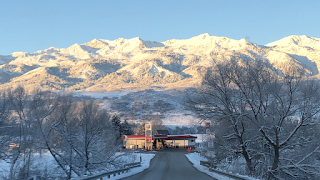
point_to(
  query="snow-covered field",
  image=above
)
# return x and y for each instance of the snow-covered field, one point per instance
(146, 158)
(195, 159)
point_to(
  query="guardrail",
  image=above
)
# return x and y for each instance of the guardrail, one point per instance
(132, 164)
(114, 173)
(212, 167)
(207, 164)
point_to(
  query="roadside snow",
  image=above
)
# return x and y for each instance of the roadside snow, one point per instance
(195, 159)
(146, 158)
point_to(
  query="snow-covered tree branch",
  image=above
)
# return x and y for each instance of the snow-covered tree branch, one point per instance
(246, 99)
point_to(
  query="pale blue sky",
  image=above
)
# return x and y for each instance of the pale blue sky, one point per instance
(29, 25)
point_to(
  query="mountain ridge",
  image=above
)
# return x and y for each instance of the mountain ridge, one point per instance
(126, 62)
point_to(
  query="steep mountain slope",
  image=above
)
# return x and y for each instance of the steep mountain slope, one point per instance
(304, 49)
(100, 63)
(7, 72)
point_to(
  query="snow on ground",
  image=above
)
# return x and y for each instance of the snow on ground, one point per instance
(146, 158)
(179, 119)
(4, 168)
(43, 162)
(195, 159)
(100, 95)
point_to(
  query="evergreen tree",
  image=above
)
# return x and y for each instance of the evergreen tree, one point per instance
(126, 128)
(116, 123)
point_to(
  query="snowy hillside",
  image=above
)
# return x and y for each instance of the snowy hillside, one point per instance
(148, 105)
(101, 65)
(297, 41)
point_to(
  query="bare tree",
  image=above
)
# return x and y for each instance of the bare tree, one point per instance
(140, 130)
(78, 135)
(18, 100)
(157, 124)
(55, 123)
(95, 135)
(4, 126)
(261, 114)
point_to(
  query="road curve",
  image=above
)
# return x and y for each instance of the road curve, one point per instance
(170, 165)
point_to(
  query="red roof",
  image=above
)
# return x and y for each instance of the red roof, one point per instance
(172, 137)
(160, 136)
(181, 137)
(133, 136)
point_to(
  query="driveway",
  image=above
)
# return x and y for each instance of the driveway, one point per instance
(170, 165)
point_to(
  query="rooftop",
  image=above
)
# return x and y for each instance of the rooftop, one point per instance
(166, 137)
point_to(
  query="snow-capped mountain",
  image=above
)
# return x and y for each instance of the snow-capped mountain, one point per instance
(101, 64)
(297, 41)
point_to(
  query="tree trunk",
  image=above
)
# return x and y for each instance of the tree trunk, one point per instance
(248, 160)
(275, 163)
(246, 157)
(12, 176)
(70, 164)
(276, 158)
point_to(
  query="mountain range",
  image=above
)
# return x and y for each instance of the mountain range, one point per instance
(102, 65)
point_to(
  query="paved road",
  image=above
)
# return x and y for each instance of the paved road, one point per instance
(170, 165)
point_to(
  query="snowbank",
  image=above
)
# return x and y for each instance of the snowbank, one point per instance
(195, 159)
(146, 158)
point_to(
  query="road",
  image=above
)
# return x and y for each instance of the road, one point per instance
(170, 165)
